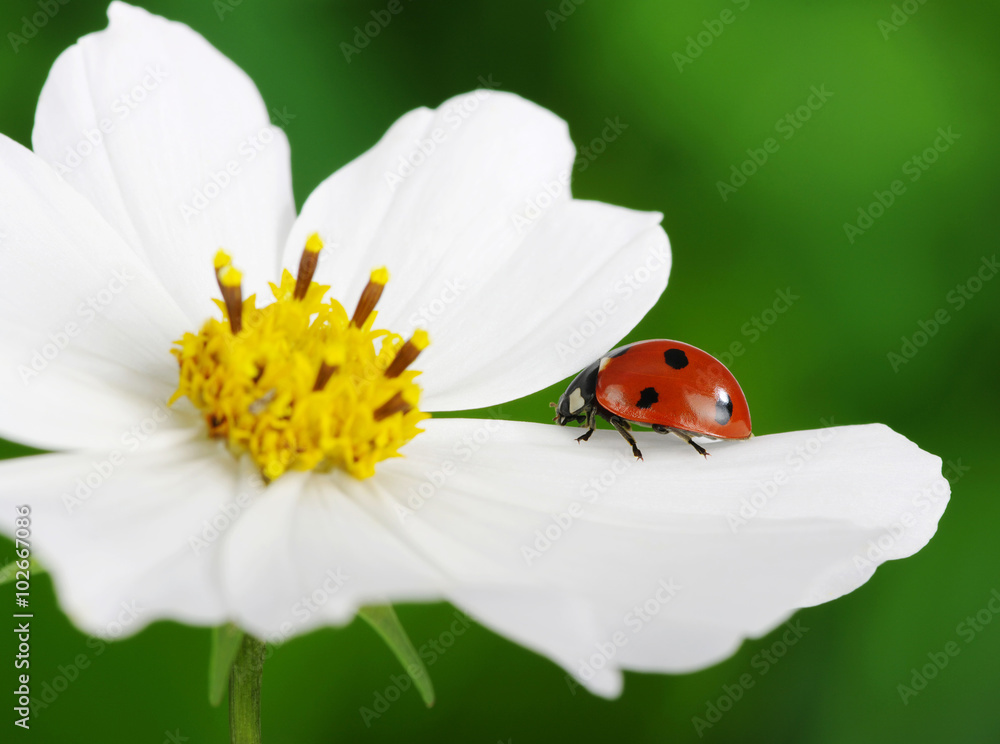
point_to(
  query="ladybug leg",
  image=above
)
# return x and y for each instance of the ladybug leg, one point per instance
(698, 448)
(591, 426)
(623, 428)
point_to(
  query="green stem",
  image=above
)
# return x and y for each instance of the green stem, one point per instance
(244, 692)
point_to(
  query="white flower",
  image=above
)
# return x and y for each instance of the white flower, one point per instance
(151, 151)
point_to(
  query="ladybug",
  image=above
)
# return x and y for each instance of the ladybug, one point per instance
(670, 386)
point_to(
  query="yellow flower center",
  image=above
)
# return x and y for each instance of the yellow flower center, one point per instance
(298, 384)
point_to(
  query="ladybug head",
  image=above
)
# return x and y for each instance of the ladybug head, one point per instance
(579, 399)
(562, 417)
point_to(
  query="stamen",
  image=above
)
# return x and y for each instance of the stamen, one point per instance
(370, 296)
(325, 373)
(307, 265)
(304, 387)
(221, 261)
(330, 364)
(395, 404)
(410, 351)
(231, 283)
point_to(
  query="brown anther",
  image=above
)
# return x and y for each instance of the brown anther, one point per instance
(395, 404)
(231, 285)
(370, 297)
(307, 266)
(233, 297)
(326, 371)
(410, 351)
(221, 263)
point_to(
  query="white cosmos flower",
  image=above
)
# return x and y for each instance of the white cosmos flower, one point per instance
(152, 150)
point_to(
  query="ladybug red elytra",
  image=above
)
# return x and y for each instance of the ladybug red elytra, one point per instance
(670, 386)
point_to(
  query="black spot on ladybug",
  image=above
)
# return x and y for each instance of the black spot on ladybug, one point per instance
(676, 358)
(647, 398)
(723, 408)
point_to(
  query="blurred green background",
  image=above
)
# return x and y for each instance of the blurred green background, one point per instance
(690, 119)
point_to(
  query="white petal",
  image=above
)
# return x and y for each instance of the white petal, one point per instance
(458, 517)
(138, 545)
(662, 535)
(514, 301)
(142, 118)
(582, 279)
(529, 616)
(314, 548)
(86, 328)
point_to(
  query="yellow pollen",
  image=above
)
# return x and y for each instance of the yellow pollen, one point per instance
(314, 244)
(297, 385)
(411, 349)
(229, 276)
(370, 296)
(222, 259)
(307, 265)
(420, 339)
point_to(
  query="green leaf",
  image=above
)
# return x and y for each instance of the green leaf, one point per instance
(385, 622)
(8, 572)
(226, 641)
